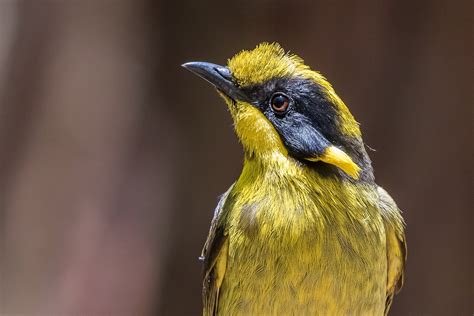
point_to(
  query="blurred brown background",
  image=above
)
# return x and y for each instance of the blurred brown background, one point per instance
(112, 156)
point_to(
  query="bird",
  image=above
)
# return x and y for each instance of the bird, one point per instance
(304, 230)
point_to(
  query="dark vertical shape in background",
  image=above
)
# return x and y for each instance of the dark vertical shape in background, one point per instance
(112, 156)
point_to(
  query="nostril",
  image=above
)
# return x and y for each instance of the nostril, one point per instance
(224, 72)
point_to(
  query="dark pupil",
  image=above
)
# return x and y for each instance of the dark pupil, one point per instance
(280, 102)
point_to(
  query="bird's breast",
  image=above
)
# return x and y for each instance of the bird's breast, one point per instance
(308, 247)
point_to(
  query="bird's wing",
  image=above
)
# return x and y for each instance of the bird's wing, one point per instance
(214, 257)
(396, 244)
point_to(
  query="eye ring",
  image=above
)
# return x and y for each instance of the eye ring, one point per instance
(280, 103)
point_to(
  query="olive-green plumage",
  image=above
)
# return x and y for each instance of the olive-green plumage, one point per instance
(304, 230)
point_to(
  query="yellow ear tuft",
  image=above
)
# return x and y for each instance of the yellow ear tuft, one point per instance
(340, 159)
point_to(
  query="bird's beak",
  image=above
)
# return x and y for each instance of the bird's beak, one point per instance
(219, 76)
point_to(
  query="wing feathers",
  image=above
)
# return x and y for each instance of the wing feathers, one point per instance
(214, 256)
(396, 245)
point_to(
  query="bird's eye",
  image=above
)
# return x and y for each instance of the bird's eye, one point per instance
(280, 103)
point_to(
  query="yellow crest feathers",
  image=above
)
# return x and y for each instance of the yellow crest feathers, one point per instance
(263, 63)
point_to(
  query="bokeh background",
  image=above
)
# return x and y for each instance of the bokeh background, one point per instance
(112, 156)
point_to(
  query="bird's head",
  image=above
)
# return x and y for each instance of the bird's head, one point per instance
(280, 106)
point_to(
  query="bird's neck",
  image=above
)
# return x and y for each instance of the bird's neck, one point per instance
(272, 163)
(288, 191)
(274, 171)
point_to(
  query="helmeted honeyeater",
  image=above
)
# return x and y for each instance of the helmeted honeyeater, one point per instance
(305, 230)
